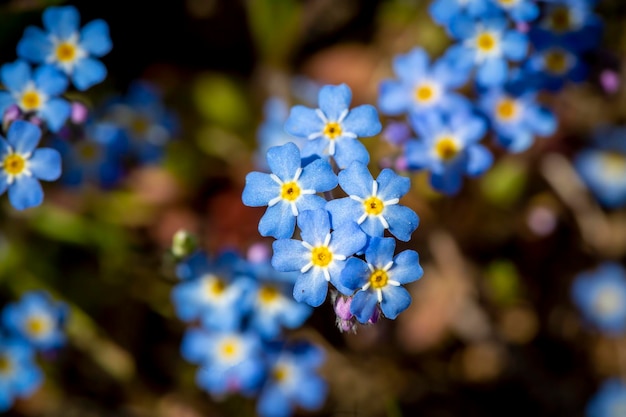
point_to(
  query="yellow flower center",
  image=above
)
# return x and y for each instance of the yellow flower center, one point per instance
(36, 326)
(268, 294)
(373, 205)
(486, 42)
(139, 125)
(321, 256)
(446, 148)
(290, 191)
(556, 62)
(5, 364)
(14, 164)
(66, 52)
(506, 109)
(560, 19)
(229, 348)
(614, 164)
(88, 151)
(507, 2)
(280, 373)
(378, 279)
(424, 93)
(607, 302)
(215, 286)
(31, 100)
(332, 130)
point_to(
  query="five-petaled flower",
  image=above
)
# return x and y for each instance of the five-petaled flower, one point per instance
(22, 165)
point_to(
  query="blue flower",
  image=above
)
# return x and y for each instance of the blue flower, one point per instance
(609, 401)
(378, 280)
(37, 319)
(288, 190)
(373, 204)
(35, 92)
(319, 256)
(516, 117)
(604, 172)
(292, 382)
(19, 375)
(555, 64)
(448, 147)
(419, 87)
(444, 11)
(72, 50)
(333, 129)
(229, 361)
(486, 44)
(518, 10)
(210, 292)
(22, 165)
(272, 132)
(601, 297)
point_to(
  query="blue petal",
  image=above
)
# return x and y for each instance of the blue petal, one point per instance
(23, 136)
(402, 221)
(6, 100)
(380, 251)
(15, 75)
(310, 202)
(196, 346)
(373, 227)
(348, 150)
(514, 45)
(311, 288)
(289, 255)
(412, 66)
(525, 12)
(303, 121)
(88, 71)
(542, 120)
(448, 181)
(314, 226)
(294, 316)
(447, 75)
(460, 57)
(260, 188)
(35, 46)
(284, 160)
(417, 154)
(480, 160)
(462, 27)
(470, 129)
(62, 21)
(56, 112)
(50, 81)
(278, 221)
(406, 267)
(395, 301)
(363, 305)
(393, 98)
(392, 185)
(318, 176)
(25, 192)
(343, 210)
(516, 141)
(3, 182)
(347, 239)
(45, 164)
(363, 121)
(273, 403)
(334, 100)
(492, 72)
(354, 275)
(95, 39)
(311, 392)
(356, 180)
(443, 10)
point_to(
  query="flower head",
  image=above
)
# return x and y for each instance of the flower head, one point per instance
(19, 375)
(22, 165)
(67, 47)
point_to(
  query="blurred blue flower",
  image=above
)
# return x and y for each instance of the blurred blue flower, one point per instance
(448, 147)
(518, 10)
(230, 362)
(554, 65)
(37, 319)
(333, 129)
(601, 297)
(288, 190)
(373, 204)
(272, 131)
(486, 44)
(378, 280)
(421, 88)
(516, 117)
(19, 375)
(319, 256)
(72, 50)
(293, 382)
(35, 92)
(444, 11)
(609, 401)
(23, 165)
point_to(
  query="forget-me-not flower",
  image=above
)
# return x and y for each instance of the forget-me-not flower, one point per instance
(19, 375)
(333, 128)
(288, 190)
(373, 203)
(448, 147)
(378, 280)
(22, 165)
(609, 401)
(67, 47)
(601, 297)
(35, 92)
(319, 256)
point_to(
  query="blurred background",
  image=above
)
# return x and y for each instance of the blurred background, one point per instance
(492, 329)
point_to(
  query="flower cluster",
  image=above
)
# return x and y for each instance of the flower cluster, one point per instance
(242, 307)
(335, 232)
(35, 323)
